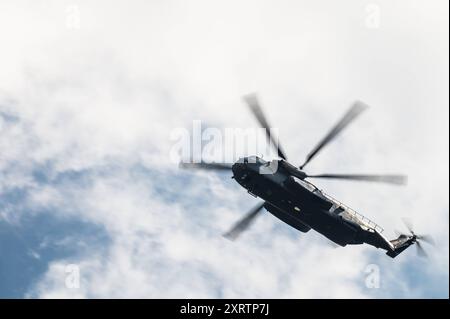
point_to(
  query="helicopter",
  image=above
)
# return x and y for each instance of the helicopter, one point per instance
(287, 193)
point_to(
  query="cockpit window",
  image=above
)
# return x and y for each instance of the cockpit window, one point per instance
(252, 159)
(308, 186)
(255, 160)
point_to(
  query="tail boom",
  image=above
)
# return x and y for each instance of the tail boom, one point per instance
(400, 244)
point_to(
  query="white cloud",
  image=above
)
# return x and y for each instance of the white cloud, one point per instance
(105, 97)
(159, 250)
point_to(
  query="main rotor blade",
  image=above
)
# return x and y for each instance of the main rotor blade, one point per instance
(244, 223)
(206, 166)
(253, 104)
(356, 109)
(390, 179)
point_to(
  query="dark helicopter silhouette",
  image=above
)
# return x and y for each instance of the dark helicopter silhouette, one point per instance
(288, 195)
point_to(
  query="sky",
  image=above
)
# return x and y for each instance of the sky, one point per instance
(92, 205)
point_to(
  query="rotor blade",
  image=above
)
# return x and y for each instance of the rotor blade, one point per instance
(244, 223)
(253, 104)
(332, 244)
(427, 239)
(390, 179)
(206, 166)
(356, 109)
(408, 223)
(398, 233)
(420, 251)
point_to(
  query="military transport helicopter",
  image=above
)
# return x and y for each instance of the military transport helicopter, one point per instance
(288, 195)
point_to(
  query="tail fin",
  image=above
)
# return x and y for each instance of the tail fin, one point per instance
(399, 245)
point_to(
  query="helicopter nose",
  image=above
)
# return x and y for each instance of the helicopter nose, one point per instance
(241, 173)
(237, 169)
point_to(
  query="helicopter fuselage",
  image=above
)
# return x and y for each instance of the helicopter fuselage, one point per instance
(303, 206)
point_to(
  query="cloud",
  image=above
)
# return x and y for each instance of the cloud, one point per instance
(86, 118)
(158, 252)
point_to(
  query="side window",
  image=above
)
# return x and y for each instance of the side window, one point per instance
(269, 167)
(336, 209)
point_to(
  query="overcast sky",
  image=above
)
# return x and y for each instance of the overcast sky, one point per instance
(91, 91)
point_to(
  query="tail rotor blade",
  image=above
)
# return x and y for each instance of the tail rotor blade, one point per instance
(244, 223)
(416, 238)
(427, 239)
(255, 108)
(409, 224)
(356, 109)
(420, 250)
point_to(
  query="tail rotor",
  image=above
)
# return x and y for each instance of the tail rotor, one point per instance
(417, 239)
